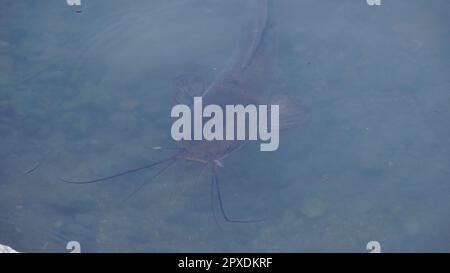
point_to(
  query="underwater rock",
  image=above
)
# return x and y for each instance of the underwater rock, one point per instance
(314, 207)
(128, 105)
(6, 249)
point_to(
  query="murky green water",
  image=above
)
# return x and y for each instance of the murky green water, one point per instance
(87, 94)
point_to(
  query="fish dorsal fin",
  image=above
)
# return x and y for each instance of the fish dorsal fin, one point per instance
(186, 87)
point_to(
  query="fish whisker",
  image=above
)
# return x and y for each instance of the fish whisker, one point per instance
(117, 174)
(142, 185)
(215, 185)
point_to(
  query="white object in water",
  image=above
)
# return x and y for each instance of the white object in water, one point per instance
(6, 249)
(218, 163)
(73, 2)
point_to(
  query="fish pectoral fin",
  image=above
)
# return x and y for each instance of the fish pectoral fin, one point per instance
(186, 87)
(292, 111)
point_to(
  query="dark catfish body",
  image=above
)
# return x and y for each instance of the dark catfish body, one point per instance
(244, 80)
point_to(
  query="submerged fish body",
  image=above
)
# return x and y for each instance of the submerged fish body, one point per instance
(246, 76)
(244, 80)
